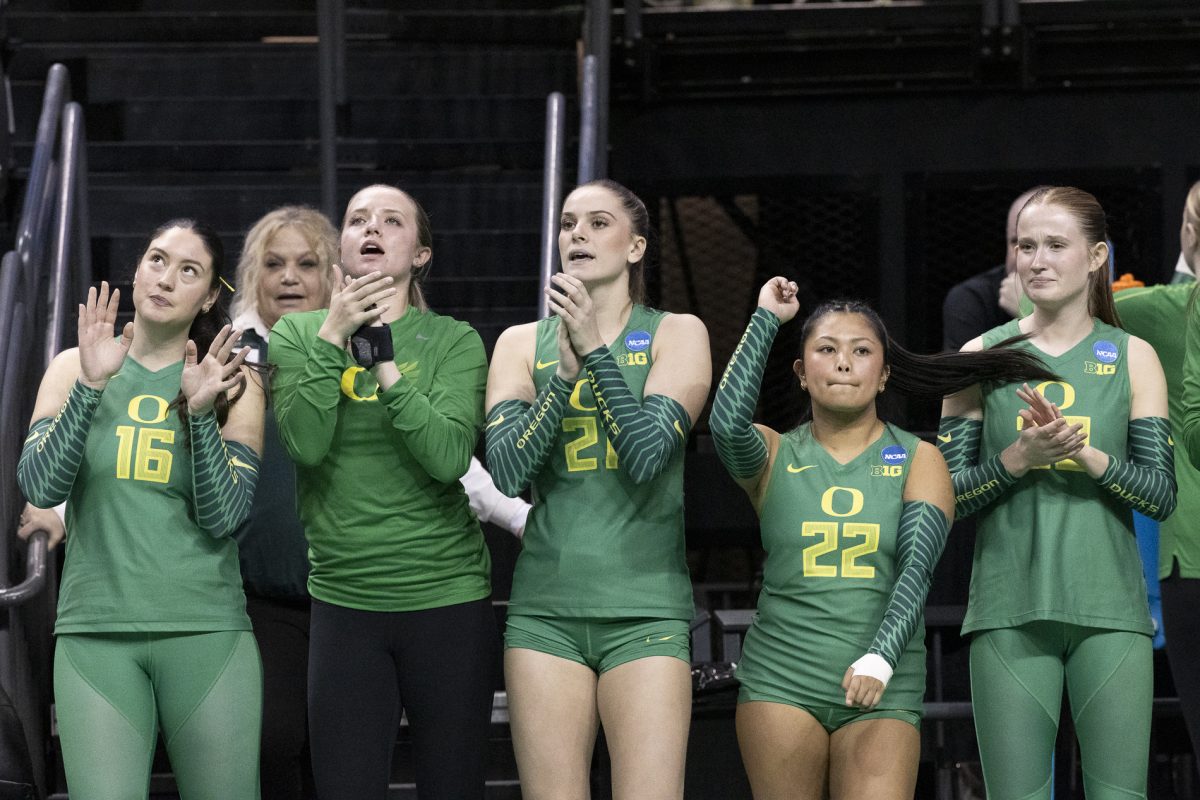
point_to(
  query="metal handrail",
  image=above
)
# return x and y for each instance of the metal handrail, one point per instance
(71, 218)
(35, 213)
(52, 236)
(552, 185)
(597, 39)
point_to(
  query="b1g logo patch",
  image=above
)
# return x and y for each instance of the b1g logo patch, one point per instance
(637, 341)
(893, 457)
(1105, 351)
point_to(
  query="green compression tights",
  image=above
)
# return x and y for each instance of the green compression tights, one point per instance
(1016, 687)
(114, 690)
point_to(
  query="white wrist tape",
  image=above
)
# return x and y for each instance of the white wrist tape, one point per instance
(873, 666)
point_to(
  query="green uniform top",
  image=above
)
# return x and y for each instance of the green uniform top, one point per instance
(136, 559)
(596, 543)
(1157, 314)
(388, 523)
(1058, 546)
(830, 534)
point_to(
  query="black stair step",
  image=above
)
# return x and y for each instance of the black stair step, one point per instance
(156, 26)
(466, 25)
(373, 154)
(221, 119)
(103, 73)
(372, 70)
(430, 25)
(276, 5)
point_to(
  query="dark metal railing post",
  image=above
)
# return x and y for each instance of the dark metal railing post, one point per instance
(589, 123)
(552, 185)
(331, 94)
(68, 203)
(633, 22)
(597, 38)
(34, 208)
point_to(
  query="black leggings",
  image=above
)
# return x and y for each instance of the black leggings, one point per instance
(1180, 599)
(281, 630)
(363, 665)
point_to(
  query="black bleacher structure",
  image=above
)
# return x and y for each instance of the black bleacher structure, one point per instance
(866, 149)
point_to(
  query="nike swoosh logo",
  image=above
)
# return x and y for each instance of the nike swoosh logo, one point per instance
(945, 439)
(679, 430)
(32, 435)
(794, 469)
(663, 639)
(422, 338)
(543, 364)
(1170, 440)
(237, 462)
(495, 422)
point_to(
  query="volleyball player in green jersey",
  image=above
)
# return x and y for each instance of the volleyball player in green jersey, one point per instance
(399, 576)
(592, 408)
(158, 468)
(1158, 314)
(1056, 586)
(854, 515)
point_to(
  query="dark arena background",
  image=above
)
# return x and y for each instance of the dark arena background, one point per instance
(863, 149)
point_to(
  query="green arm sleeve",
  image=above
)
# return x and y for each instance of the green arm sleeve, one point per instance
(440, 428)
(645, 435)
(975, 485)
(519, 436)
(1189, 428)
(305, 389)
(224, 475)
(53, 449)
(1146, 482)
(922, 535)
(741, 446)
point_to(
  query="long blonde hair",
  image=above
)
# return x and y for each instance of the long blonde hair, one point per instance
(317, 231)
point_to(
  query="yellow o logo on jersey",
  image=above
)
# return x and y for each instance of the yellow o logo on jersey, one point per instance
(856, 501)
(575, 401)
(348, 384)
(1068, 393)
(135, 408)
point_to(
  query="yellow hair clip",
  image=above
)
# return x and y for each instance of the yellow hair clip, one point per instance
(225, 283)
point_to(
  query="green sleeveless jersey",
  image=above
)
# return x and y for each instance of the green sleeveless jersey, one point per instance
(1157, 314)
(830, 534)
(136, 559)
(1057, 546)
(596, 543)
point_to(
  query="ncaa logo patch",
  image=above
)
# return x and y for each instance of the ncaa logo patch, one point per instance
(894, 454)
(637, 341)
(1105, 351)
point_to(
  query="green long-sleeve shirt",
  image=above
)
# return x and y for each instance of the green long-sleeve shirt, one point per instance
(388, 523)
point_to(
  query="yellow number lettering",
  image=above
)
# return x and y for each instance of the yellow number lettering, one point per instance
(137, 454)
(125, 435)
(831, 533)
(153, 463)
(869, 533)
(828, 531)
(587, 438)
